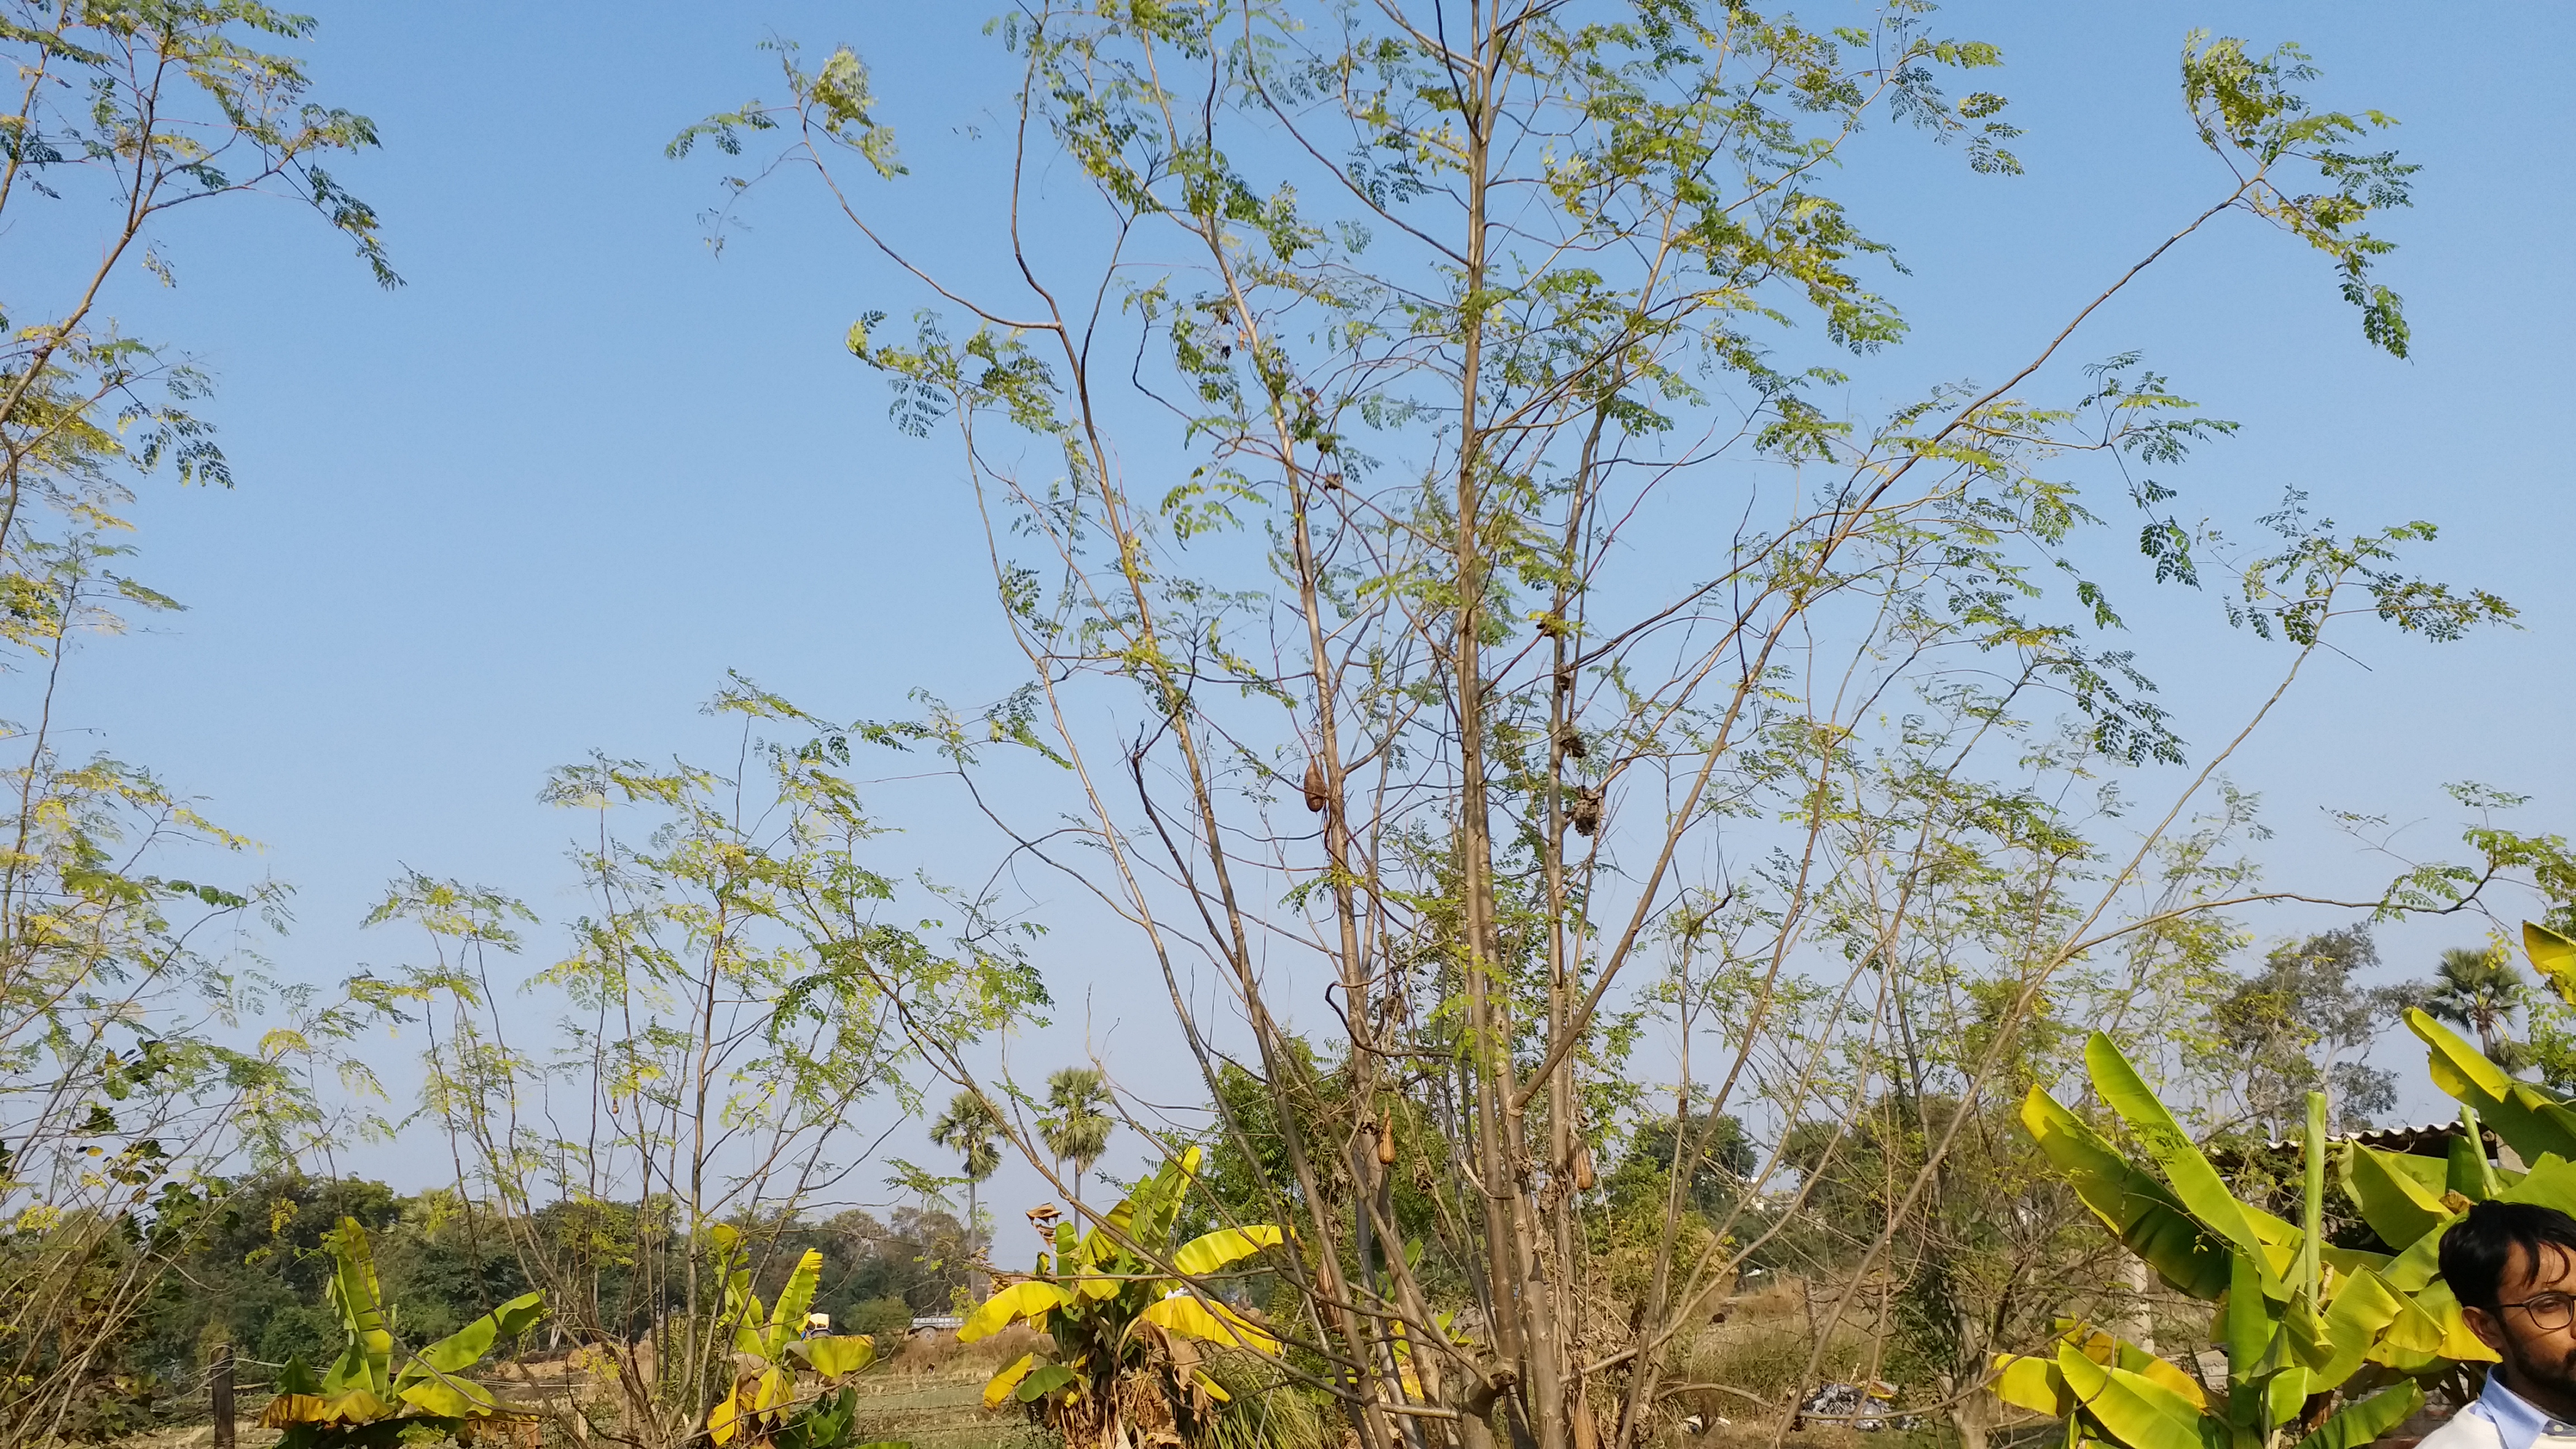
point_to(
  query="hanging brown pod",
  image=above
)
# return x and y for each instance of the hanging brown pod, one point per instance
(1587, 811)
(1386, 1140)
(1583, 1177)
(1315, 786)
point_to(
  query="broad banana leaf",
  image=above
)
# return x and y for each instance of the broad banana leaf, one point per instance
(2443, 1308)
(1188, 1317)
(769, 1391)
(787, 1319)
(2255, 1349)
(2363, 1308)
(2287, 1394)
(836, 1355)
(2030, 1382)
(2138, 1412)
(429, 1378)
(2413, 1335)
(1031, 1300)
(2112, 1351)
(1043, 1380)
(2393, 1197)
(2353, 1260)
(2196, 1184)
(1215, 1250)
(2528, 1121)
(999, 1386)
(466, 1346)
(2553, 956)
(2140, 1211)
(2357, 1424)
(357, 1406)
(1098, 1288)
(2551, 1182)
(448, 1397)
(366, 1363)
(2416, 1266)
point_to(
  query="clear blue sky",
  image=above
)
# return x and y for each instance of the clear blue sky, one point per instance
(542, 498)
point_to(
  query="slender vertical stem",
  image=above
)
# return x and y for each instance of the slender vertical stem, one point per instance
(2312, 1221)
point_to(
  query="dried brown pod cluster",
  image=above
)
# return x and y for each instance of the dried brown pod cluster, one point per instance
(1315, 786)
(1587, 810)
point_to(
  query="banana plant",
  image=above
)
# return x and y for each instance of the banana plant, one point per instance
(1124, 1313)
(2325, 1346)
(375, 1394)
(764, 1407)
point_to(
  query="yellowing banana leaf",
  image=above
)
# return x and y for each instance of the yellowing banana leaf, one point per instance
(2168, 1373)
(447, 1396)
(999, 1387)
(2364, 1306)
(2112, 1351)
(2030, 1382)
(2553, 956)
(2412, 1334)
(836, 1355)
(2138, 1412)
(1211, 1387)
(287, 1410)
(2140, 1211)
(2393, 1196)
(771, 1390)
(1031, 1300)
(2357, 1424)
(1215, 1250)
(2529, 1122)
(2196, 1184)
(1214, 1322)
(2438, 1303)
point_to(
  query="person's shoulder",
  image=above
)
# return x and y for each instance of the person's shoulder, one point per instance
(2464, 1430)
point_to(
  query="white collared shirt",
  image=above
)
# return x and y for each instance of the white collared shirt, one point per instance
(2501, 1419)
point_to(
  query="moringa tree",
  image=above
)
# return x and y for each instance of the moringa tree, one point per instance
(128, 1086)
(1452, 612)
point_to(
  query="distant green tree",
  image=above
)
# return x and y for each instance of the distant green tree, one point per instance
(2298, 1024)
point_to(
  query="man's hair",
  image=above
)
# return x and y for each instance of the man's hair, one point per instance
(2479, 1247)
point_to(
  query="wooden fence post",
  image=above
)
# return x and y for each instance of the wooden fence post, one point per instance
(219, 1394)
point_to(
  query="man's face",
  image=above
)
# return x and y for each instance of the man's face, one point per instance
(2533, 1327)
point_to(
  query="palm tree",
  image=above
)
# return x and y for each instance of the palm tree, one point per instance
(2480, 990)
(1075, 1128)
(968, 1128)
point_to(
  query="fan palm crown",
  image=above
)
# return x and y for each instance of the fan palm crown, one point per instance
(1077, 1124)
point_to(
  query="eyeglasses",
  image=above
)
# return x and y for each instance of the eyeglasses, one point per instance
(2549, 1311)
